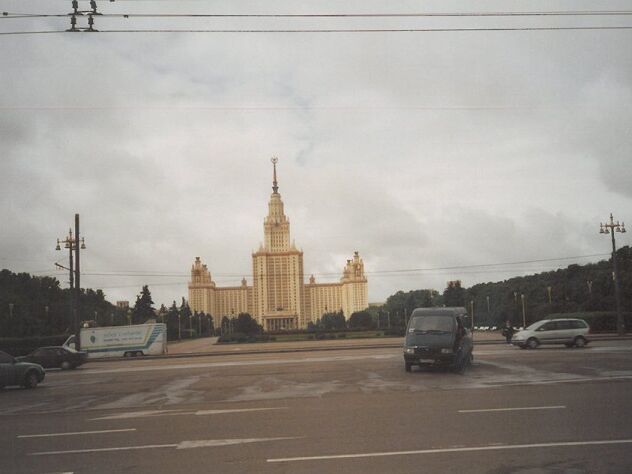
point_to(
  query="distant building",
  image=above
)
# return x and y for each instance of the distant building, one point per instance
(279, 298)
(122, 304)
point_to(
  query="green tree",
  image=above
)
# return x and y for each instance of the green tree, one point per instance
(333, 321)
(245, 324)
(186, 317)
(172, 322)
(225, 325)
(454, 294)
(143, 309)
(361, 320)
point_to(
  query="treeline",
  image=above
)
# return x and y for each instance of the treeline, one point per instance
(575, 289)
(38, 306)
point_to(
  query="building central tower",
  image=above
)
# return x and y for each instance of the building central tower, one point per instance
(277, 269)
(279, 298)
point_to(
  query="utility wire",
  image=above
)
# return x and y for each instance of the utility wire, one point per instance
(333, 30)
(340, 15)
(375, 272)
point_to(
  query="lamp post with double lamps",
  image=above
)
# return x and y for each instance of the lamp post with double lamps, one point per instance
(610, 228)
(74, 244)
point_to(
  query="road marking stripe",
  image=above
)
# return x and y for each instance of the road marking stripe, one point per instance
(154, 413)
(233, 410)
(455, 450)
(483, 410)
(226, 442)
(208, 443)
(101, 450)
(137, 414)
(44, 435)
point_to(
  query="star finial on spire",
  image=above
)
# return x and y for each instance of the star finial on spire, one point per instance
(274, 161)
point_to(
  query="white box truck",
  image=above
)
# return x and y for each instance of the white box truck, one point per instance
(122, 341)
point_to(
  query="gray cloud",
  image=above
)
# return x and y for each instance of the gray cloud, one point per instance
(418, 150)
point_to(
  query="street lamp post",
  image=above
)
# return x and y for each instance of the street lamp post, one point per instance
(515, 311)
(589, 283)
(548, 289)
(524, 313)
(74, 244)
(179, 327)
(472, 311)
(611, 228)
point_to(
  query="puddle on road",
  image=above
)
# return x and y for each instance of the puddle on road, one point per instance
(172, 393)
(275, 389)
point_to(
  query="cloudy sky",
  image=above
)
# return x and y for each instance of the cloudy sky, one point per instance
(427, 151)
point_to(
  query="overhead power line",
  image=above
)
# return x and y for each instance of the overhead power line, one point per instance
(375, 272)
(341, 30)
(554, 13)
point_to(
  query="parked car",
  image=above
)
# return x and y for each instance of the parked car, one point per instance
(14, 372)
(570, 332)
(55, 357)
(438, 336)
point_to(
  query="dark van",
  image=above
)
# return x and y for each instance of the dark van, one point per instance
(438, 336)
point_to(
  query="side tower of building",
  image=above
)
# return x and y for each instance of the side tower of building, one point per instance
(201, 289)
(277, 270)
(355, 292)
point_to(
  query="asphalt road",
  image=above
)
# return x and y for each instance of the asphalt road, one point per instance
(552, 410)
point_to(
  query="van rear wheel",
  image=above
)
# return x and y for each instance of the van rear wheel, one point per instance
(579, 341)
(408, 366)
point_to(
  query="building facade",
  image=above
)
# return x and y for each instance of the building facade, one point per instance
(279, 298)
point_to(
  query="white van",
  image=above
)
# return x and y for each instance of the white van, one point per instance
(570, 332)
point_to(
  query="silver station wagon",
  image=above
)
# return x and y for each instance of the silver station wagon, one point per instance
(570, 332)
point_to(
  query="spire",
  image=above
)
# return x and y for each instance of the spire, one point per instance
(275, 187)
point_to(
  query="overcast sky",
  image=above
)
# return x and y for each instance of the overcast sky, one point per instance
(421, 150)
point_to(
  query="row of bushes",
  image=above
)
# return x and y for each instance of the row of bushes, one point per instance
(241, 338)
(18, 346)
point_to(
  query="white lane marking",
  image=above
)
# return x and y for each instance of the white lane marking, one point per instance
(484, 410)
(137, 414)
(208, 443)
(154, 413)
(227, 442)
(456, 450)
(102, 450)
(45, 435)
(234, 410)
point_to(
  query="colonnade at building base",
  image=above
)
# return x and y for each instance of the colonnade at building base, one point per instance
(280, 324)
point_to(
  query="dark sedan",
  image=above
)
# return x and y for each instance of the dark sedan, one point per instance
(56, 356)
(13, 372)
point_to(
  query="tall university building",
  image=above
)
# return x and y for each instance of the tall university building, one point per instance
(279, 297)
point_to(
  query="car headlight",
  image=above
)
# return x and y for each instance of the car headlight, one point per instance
(409, 350)
(446, 350)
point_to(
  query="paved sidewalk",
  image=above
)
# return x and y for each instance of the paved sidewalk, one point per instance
(208, 346)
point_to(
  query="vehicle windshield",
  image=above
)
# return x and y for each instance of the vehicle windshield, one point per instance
(533, 326)
(432, 323)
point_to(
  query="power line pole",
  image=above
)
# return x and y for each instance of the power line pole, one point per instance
(69, 243)
(77, 286)
(611, 228)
